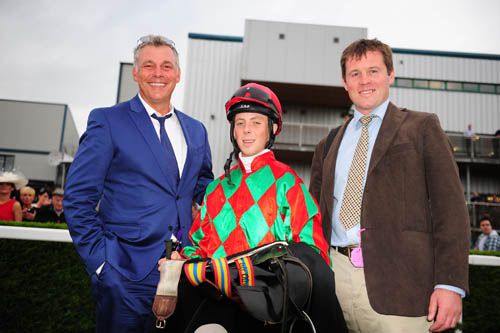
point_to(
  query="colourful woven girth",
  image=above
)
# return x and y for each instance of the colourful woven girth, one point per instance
(196, 273)
(222, 276)
(245, 271)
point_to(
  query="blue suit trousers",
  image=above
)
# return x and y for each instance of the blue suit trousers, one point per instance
(123, 306)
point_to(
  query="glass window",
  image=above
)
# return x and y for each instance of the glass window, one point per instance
(437, 85)
(421, 83)
(471, 87)
(454, 86)
(6, 162)
(407, 83)
(447, 85)
(487, 88)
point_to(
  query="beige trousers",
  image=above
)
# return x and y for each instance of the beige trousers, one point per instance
(351, 291)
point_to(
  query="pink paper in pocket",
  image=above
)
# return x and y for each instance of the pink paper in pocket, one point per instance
(357, 254)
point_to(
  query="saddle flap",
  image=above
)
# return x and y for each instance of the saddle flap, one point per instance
(166, 292)
(265, 300)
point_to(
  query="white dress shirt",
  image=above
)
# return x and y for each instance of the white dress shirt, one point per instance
(174, 133)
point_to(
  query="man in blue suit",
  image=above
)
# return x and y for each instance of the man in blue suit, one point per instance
(140, 167)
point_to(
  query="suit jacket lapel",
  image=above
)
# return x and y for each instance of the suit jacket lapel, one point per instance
(329, 169)
(186, 131)
(393, 119)
(145, 127)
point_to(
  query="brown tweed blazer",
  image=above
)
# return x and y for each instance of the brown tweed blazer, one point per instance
(417, 225)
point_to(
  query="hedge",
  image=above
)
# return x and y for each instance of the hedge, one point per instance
(482, 307)
(44, 288)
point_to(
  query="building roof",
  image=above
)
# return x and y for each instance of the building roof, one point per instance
(468, 55)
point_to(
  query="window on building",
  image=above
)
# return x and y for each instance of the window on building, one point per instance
(487, 88)
(6, 162)
(447, 85)
(437, 85)
(407, 83)
(471, 87)
(421, 83)
(457, 86)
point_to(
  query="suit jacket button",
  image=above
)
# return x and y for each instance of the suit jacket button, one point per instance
(177, 198)
(170, 228)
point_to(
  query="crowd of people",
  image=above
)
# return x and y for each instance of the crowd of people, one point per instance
(19, 202)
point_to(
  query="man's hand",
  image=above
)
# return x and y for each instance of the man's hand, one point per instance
(195, 209)
(27, 215)
(175, 256)
(445, 309)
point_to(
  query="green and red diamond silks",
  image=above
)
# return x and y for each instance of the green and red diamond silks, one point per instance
(268, 204)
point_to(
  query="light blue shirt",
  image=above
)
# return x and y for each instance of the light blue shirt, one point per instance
(341, 236)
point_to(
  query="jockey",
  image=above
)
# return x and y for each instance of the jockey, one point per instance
(258, 201)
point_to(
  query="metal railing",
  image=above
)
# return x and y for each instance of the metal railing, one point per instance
(479, 209)
(304, 136)
(475, 147)
(58, 235)
(299, 136)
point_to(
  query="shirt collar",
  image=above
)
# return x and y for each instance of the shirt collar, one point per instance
(378, 112)
(150, 110)
(248, 160)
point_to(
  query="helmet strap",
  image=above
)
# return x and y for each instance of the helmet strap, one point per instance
(227, 165)
(236, 150)
(272, 136)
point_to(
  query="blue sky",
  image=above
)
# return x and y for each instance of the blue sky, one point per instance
(68, 51)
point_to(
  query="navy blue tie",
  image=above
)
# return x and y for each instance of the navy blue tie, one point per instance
(165, 142)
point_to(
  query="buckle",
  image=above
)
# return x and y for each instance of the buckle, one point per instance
(160, 323)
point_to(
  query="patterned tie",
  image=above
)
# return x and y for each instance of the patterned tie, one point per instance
(165, 142)
(350, 211)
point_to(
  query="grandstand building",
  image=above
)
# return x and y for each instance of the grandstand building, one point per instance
(301, 63)
(38, 139)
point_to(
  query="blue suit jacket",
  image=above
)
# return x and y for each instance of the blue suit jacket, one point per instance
(121, 201)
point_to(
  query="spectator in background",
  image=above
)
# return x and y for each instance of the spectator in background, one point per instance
(496, 144)
(10, 209)
(475, 197)
(347, 115)
(54, 212)
(489, 240)
(44, 198)
(27, 195)
(469, 133)
(469, 138)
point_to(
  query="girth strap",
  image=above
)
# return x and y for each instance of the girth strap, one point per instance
(222, 276)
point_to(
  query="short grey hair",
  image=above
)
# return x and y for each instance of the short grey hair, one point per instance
(156, 41)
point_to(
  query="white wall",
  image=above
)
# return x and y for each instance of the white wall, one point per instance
(212, 76)
(446, 68)
(306, 55)
(454, 109)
